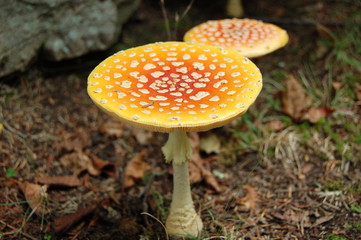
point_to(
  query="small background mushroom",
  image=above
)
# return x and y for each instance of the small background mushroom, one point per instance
(251, 38)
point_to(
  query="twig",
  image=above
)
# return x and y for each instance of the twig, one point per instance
(179, 18)
(189, 6)
(146, 193)
(215, 237)
(21, 137)
(330, 205)
(77, 234)
(11, 129)
(150, 215)
(166, 20)
(17, 231)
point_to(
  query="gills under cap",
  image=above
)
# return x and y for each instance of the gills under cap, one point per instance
(175, 85)
(251, 38)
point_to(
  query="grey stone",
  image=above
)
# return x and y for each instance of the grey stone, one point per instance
(59, 29)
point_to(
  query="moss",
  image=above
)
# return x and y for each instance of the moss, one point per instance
(335, 237)
(338, 185)
(334, 186)
(355, 226)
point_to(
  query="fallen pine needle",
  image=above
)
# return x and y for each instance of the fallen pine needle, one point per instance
(17, 231)
(215, 237)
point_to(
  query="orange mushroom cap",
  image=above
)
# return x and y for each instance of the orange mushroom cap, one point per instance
(251, 38)
(175, 85)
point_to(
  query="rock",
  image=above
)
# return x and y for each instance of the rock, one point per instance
(59, 29)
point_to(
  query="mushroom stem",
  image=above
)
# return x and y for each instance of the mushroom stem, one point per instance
(182, 218)
(178, 148)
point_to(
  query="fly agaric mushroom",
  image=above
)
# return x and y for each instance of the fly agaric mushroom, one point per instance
(176, 87)
(251, 38)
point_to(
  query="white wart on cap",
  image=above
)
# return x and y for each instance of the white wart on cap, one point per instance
(175, 85)
(251, 38)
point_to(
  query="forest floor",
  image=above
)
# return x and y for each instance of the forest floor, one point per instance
(290, 168)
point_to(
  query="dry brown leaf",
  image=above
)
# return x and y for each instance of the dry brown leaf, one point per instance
(63, 223)
(62, 181)
(35, 196)
(79, 162)
(210, 144)
(194, 139)
(135, 169)
(274, 125)
(337, 85)
(195, 168)
(323, 219)
(211, 180)
(294, 99)
(250, 200)
(112, 128)
(294, 218)
(143, 136)
(307, 168)
(77, 140)
(315, 114)
(197, 171)
(105, 167)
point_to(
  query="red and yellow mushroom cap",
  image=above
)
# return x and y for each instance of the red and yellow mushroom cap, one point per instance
(175, 85)
(251, 38)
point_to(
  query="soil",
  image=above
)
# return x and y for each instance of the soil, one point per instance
(279, 188)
